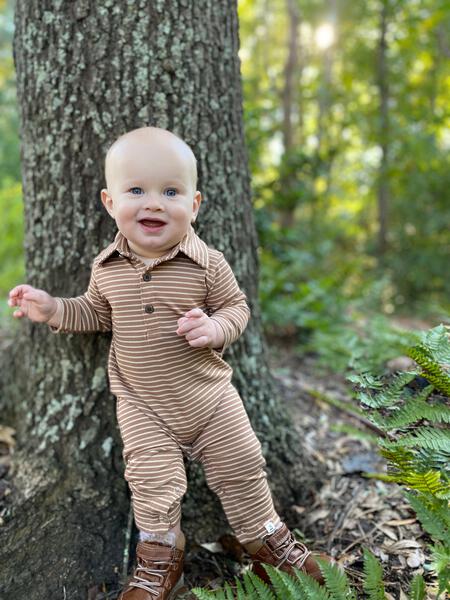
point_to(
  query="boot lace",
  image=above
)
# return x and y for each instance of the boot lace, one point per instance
(284, 550)
(152, 587)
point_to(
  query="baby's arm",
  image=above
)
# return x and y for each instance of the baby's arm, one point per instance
(89, 312)
(228, 303)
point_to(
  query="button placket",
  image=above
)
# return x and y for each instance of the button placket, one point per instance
(151, 326)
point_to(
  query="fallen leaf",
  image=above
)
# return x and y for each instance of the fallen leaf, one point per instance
(401, 546)
(398, 522)
(213, 547)
(415, 559)
(315, 515)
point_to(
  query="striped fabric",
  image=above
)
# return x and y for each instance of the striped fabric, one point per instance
(141, 305)
(230, 454)
(173, 398)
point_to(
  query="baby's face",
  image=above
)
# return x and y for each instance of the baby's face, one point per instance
(151, 190)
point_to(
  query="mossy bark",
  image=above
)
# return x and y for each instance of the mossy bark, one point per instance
(87, 72)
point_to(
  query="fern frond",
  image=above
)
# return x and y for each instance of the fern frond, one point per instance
(373, 583)
(263, 592)
(423, 437)
(390, 394)
(229, 595)
(207, 595)
(434, 516)
(429, 482)
(413, 411)
(437, 339)
(431, 368)
(282, 582)
(336, 581)
(402, 458)
(366, 380)
(311, 589)
(430, 459)
(417, 591)
(441, 565)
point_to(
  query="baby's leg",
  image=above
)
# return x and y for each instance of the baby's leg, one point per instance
(174, 537)
(234, 467)
(155, 474)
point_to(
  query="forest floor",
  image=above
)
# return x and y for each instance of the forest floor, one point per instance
(350, 511)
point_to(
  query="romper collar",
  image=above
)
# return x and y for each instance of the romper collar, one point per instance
(191, 245)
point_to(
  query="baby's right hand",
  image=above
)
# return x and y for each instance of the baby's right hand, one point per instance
(35, 304)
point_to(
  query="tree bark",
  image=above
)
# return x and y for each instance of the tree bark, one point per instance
(87, 72)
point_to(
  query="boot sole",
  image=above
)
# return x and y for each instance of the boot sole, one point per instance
(179, 584)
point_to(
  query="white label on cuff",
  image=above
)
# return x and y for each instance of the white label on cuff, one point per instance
(270, 527)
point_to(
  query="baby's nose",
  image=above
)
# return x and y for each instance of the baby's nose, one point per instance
(153, 201)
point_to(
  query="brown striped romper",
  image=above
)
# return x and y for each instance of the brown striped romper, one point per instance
(173, 398)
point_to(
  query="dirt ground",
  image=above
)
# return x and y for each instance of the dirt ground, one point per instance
(350, 511)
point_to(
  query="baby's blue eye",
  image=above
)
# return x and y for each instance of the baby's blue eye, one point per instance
(171, 192)
(136, 190)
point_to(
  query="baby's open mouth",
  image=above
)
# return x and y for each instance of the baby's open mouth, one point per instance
(152, 223)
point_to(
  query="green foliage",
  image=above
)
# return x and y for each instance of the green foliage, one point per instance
(303, 586)
(417, 588)
(373, 583)
(411, 410)
(11, 236)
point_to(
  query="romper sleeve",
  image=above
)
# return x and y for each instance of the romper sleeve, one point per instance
(86, 313)
(227, 303)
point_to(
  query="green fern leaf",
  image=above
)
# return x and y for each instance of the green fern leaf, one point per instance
(402, 458)
(437, 339)
(336, 581)
(423, 437)
(431, 459)
(433, 515)
(311, 588)
(282, 583)
(441, 565)
(417, 588)
(206, 595)
(431, 369)
(262, 589)
(390, 394)
(425, 482)
(366, 380)
(413, 411)
(242, 594)
(373, 583)
(229, 595)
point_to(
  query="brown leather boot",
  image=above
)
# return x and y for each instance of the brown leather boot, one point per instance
(282, 550)
(158, 575)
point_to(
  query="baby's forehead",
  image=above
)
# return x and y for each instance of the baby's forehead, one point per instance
(147, 145)
(149, 139)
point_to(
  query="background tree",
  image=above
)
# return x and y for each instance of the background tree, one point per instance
(85, 74)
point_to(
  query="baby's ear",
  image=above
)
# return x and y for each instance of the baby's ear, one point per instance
(107, 201)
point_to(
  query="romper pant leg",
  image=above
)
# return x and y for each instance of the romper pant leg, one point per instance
(234, 468)
(154, 469)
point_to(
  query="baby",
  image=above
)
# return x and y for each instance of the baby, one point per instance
(173, 306)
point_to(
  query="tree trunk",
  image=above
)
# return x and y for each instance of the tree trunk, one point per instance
(87, 72)
(288, 98)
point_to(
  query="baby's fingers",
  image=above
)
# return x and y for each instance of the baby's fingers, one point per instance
(19, 290)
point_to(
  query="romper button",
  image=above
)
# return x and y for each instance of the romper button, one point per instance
(146, 276)
(149, 308)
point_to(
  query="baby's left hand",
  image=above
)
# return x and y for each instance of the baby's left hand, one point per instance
(200, 330)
